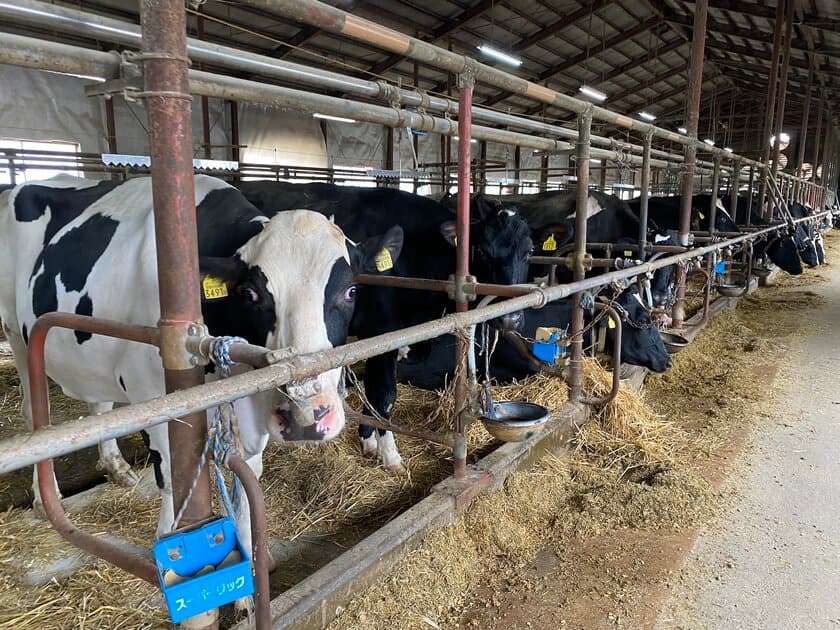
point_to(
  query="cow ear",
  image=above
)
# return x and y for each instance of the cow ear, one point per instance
(220, 276)
(377, 254)
(481, 207)
(548, 238)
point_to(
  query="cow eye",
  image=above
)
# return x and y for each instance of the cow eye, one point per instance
(350, 294)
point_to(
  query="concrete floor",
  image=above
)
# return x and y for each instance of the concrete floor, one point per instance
(773, 560)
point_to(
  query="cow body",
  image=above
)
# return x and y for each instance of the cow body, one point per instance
(79, 246)
(500, 241)
(641, 345)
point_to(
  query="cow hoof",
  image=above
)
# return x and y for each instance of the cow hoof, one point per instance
(124, 478)
(397, 469)
(370, 447)
(243, 606)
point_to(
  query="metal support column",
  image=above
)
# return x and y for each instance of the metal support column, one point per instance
(164, 48)
(578, 271)
(771, 101)
(713, 201)
(750, 191)
(466, 83)
(205, 101)
(780, 109)
(695, 81)
(643, 205)
(734, 184)
(111, 127)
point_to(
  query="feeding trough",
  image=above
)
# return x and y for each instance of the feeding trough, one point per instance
(673, 342)
(511, 421)
(735, 287)
(762, 272)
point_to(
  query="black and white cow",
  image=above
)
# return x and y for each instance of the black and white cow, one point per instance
(551, 216)
(499, 240)
(641, 345)
(664, 212)
(88, 247)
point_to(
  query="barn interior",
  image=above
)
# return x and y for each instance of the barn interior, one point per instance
(364, 93)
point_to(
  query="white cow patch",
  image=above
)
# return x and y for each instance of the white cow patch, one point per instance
(659, 238)
(592, 208)
(507, 211)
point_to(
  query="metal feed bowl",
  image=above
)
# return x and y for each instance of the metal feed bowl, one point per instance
(762, 272)
(673, 342)
(736, 288)
(515, 421)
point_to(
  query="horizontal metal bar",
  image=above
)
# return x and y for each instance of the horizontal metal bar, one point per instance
(55, 441)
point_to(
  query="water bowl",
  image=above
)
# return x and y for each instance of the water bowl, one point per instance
(673, 342)
(515, 421)
(762, 272)
(735, 287)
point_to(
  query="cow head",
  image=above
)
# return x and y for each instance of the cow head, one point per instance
(641, 343)
(662, 284)
(784, 253)
(500, 243)
(291, 286)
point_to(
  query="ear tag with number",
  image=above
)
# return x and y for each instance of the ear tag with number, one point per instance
(214, 288)
(702, 216)
(383, 260)
(549, 244)
(610, 322)
(627, 252)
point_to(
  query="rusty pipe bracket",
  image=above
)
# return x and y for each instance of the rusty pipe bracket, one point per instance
(462, 288)
(175, 343)
(585, 260)
(466, 78)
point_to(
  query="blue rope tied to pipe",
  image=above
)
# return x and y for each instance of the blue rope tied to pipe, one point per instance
(222, 437)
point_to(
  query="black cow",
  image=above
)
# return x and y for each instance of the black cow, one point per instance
(664, 212)
(641, 345)
(500, 243)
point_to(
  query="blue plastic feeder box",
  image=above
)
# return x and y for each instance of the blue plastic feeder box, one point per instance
(202, 568)
(720, 268)
(548, 347)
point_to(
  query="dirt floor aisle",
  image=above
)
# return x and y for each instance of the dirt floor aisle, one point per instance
(773, 559)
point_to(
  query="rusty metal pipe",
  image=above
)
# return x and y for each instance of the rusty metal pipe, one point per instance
(25, 450)
(575, 378)
(695, 84)
(616, 355)
(39, 403)
(783, 85)
(259, 539)
(771, 103)
(444, 439)
(643, 203)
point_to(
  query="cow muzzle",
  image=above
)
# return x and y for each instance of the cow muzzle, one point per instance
(511, 322)
(308, 415)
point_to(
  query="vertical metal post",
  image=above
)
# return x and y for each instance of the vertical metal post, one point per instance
(780, 109)
(234, 134)
(543, 173)
(205, 101)
(466, 83)
(517, 165)
(578, 272)
(734, 184)
(415, 139)
(482, 169)
(771, 100)
(695, 81)
(803, 130)
(602, 176)
(111, 128)
(713, 201)
(817, 138)
(750, 191)
(164, 46)
(643, 204)
(389, 157)
(826, 166)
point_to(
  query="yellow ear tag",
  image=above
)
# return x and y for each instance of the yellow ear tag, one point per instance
(214, 288)
(549, 244)
(627, 252)
(702, 216)
(610, 322)
(383, 260)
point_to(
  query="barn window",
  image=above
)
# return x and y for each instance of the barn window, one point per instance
(34, 160)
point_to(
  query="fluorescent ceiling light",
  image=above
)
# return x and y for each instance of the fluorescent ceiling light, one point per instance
(593, 93)
(623, 186)
(683, 130)
(783, 139)
(336, 118)
(709, 141)
(499, 55)
(473, 140)
(647, 116)
(727, 149)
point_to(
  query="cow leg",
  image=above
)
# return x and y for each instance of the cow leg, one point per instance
(110, 458)
(158, 443)
(243, 524)
(22, 367)
(381, 392)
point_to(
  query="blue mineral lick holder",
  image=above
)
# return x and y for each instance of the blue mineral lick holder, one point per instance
(549, 350)
(201, 548)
